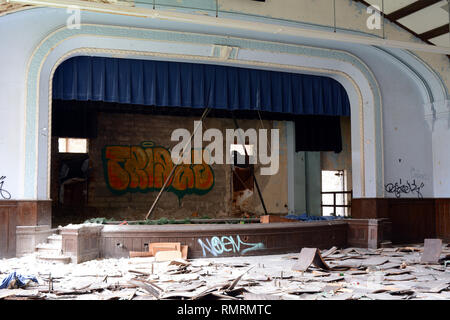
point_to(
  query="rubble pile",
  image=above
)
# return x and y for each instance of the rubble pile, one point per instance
(412, 272)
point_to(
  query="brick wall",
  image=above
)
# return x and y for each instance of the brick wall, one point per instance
(125, 130)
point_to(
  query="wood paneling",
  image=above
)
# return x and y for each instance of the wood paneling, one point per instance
(20, 213)
(442, 208)
(413, 220)
(272, 238)
(370, 208)
(8, 229)
(34, 213)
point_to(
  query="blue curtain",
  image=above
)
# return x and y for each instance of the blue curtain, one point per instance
(175, 84)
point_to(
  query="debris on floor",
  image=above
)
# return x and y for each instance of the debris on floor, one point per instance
(15, 281)
(431, 251)
(402, 272)
(310, 256)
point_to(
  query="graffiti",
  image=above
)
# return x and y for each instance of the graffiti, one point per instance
(216, 246)
(398, 188)
(145, 168)
(3, 192)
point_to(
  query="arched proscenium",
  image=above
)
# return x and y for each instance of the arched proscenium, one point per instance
(112, 41)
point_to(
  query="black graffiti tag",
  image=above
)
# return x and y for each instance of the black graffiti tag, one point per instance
(398, 188)
(4, 193)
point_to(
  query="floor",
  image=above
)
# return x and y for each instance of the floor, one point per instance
(383, 274)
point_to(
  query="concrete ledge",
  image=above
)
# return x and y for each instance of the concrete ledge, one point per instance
(28, 237)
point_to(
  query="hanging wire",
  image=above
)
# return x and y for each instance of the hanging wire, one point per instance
(334, 10)
(382, 17)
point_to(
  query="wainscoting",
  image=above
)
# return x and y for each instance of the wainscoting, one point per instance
(20, 213)
(442, 209)
(413, 220)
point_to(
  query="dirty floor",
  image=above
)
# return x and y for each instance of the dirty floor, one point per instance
(382, 274)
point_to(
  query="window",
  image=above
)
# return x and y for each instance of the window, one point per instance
(335, 198)
(71, 145)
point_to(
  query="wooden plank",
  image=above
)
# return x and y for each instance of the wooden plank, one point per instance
(168, 255)
(274, 219)
(164, 246)
(140, 254)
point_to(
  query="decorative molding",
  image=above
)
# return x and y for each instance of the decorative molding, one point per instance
(437, 111)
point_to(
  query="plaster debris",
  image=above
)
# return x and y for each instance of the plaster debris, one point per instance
(353, 274)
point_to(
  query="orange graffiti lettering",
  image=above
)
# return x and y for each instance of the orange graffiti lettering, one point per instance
(145, 168)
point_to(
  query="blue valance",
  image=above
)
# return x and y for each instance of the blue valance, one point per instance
(176, 84)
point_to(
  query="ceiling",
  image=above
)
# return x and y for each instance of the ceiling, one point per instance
(426, 19)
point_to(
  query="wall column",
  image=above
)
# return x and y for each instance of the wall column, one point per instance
(296, 174)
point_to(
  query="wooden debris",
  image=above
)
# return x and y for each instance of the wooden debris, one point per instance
(167, 255)
(329, 252)
(274, 219)
(150, 289)
(153, 248)
(140, 272)
(401, 277)
(395, 272)
(235, 281)
(377, 261)
(179, 262)
(184, 252)
(409, 249)
(140, 254)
